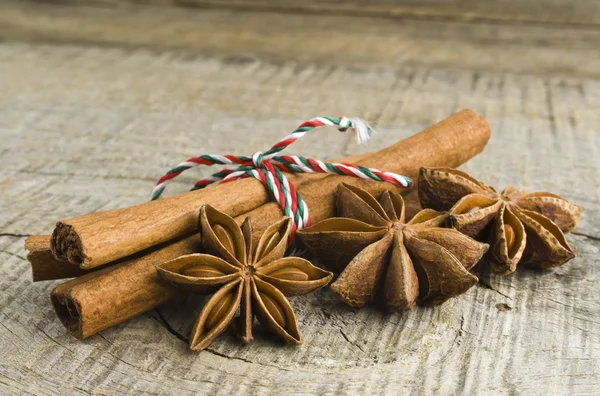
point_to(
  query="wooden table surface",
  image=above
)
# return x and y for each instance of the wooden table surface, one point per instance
(98, 99)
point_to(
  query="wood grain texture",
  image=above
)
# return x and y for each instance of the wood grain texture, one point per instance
(576, 12)
(329, 39)
(86, 128)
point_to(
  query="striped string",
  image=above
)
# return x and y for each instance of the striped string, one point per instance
(268, 167)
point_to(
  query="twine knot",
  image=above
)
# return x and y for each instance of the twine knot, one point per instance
(268, 167)
(257, 159)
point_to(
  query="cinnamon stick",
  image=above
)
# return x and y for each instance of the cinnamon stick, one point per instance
(112, 295)
(96, 239)
(109, 296)
(99, 238)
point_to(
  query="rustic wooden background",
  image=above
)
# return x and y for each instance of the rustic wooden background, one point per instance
(97, 99)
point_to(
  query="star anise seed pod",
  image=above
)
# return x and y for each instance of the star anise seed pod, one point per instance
(521, 226)
(388, 260)
(255, 280)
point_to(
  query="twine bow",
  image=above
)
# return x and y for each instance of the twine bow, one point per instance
(268, 167)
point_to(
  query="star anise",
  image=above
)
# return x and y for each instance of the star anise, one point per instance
(522, 227)
(388, 260)
(254, 280)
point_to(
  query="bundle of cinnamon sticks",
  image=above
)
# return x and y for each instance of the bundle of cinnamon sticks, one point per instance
(113, 254)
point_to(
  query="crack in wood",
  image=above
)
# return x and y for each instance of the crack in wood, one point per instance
(220, 354)
(181, 337)
(168, 327)
(115, 356)
(488, 285)
(594, 238)
(103, 177)
(461, 329)
(350, 341)
(14, 235)
(460, 332)
(52, 338)
(559, 302)
(13, 254)
(83, 390)
(214, 352)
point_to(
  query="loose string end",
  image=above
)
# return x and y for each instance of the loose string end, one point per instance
(362, 129)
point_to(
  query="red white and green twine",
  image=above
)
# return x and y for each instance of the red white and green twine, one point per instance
(268, 167)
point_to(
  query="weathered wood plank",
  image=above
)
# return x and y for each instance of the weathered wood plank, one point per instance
(559, 11)
(85, 129)
(326, 40)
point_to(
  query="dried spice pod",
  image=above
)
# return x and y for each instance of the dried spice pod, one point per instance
(398, 263)
(254, 280)
(521, 227)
